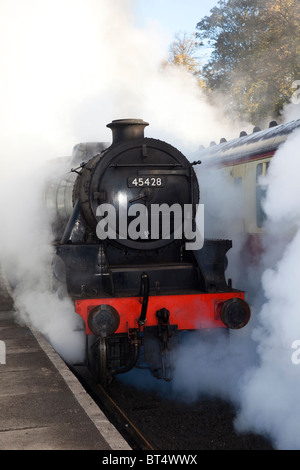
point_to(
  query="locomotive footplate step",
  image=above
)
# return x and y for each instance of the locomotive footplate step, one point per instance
(42, 404)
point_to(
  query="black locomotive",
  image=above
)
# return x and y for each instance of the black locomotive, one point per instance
(128, 253)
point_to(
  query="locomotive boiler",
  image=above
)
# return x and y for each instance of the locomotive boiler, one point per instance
(129, 255)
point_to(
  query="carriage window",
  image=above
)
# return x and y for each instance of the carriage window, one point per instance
(261, 170)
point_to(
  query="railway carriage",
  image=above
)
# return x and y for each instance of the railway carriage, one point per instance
(246, 160)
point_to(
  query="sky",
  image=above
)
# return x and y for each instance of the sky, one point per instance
(174, 16)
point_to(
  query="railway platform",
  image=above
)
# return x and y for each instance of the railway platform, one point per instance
(42, 405)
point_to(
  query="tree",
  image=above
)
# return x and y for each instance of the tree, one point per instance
(255, 57)
(182, 53)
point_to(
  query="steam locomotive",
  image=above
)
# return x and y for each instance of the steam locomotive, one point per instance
(127, 253)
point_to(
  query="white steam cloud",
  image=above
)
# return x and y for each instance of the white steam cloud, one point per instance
(270, 401)
(258, 369)
(69, 67)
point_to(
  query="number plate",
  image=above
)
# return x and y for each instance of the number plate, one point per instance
(146, 181)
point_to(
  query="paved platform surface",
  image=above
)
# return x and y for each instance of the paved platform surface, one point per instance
(42, 405)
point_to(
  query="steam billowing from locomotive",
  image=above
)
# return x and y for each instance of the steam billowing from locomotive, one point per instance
(270, 388)
(259, 372)
(55, 103)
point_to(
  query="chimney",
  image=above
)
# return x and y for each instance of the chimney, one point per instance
(127, 129)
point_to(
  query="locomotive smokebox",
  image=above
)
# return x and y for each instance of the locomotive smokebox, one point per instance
(127, 129)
